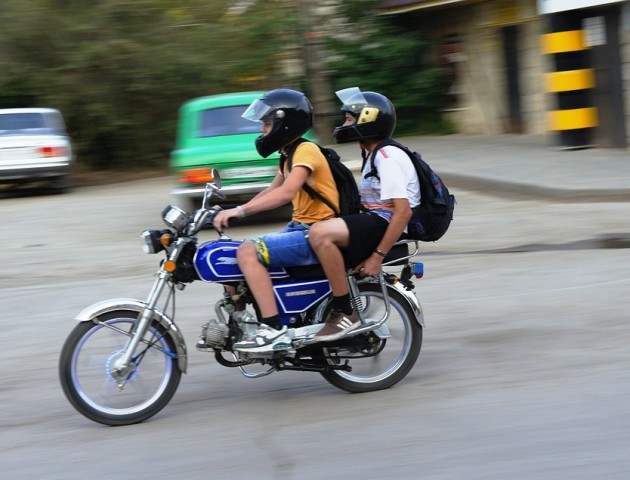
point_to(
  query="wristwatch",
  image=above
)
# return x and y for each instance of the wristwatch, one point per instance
(380, 253)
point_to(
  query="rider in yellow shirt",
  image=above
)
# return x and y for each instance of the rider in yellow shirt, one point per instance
(286, 115)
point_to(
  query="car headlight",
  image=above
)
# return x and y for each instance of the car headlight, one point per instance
(175, 217)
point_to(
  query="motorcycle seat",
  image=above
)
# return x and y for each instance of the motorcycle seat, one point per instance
(398, 255)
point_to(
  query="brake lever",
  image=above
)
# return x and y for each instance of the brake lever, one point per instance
(222, 235)
(210, 222)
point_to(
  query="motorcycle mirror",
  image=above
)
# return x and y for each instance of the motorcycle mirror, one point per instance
(213, 188)
(216, 178)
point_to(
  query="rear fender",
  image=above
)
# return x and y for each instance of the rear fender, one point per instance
(413, 301)
(90, 313)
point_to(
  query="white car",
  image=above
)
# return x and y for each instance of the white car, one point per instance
(35, 147)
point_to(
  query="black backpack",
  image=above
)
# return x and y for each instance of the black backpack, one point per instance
(349, 198)
(433, 216)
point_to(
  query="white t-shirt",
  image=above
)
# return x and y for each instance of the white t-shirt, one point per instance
(398, 179)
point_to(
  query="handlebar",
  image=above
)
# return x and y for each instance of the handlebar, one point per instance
(204, 216)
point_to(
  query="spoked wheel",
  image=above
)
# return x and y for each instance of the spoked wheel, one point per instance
(378, 359)
(89, 380)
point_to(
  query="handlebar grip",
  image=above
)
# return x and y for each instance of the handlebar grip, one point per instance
(211, 215)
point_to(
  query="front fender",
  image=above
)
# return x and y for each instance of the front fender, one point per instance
(88, 314)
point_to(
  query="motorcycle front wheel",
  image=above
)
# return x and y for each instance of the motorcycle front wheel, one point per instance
(377, 362)
(90, 384)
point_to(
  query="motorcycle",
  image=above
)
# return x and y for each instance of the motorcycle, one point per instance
(123, 361)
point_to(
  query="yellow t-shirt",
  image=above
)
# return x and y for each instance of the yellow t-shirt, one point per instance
(305, 208)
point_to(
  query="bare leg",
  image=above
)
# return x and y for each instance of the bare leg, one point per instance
(258, 279)
(326, 239)
(270, 335)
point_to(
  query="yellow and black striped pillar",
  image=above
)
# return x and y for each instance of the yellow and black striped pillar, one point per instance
(572, 81)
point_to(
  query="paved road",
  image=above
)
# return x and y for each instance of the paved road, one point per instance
(524, 372)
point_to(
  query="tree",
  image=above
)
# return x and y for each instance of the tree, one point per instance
(119, 70)
(374, 53)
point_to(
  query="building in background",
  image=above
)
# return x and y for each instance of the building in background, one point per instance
(510, 72)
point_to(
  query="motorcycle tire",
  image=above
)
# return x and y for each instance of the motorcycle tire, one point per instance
(87, 379)
(383, 362)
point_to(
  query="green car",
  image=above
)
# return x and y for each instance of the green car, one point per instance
(212, 134)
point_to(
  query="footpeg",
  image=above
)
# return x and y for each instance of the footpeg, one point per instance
(202, 347)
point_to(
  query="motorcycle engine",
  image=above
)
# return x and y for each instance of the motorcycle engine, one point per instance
(214, 334)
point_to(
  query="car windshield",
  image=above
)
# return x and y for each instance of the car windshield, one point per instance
(31, 122)
(225, 121)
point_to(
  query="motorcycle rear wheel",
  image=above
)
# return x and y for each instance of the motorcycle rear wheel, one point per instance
(391, 359)
(86, 375)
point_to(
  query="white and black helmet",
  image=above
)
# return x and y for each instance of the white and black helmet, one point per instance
(375, 114)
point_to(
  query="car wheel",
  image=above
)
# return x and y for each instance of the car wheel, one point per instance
(61, 184)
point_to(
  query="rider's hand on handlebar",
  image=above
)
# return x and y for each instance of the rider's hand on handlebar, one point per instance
(222, 219)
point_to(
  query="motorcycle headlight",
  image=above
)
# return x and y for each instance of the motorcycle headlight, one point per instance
(151, 241)
(175, 217)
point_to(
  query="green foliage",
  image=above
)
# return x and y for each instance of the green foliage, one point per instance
(120, 69)
(373, 53)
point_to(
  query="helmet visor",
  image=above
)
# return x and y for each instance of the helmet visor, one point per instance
(354, 102)
(257, 111)
(351, 97)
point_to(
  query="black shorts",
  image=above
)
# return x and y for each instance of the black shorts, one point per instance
(366, 232)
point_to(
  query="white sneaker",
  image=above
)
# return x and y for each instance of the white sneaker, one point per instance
(266, 339)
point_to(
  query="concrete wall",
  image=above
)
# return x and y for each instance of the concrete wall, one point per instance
(481, 100)
(480, 103)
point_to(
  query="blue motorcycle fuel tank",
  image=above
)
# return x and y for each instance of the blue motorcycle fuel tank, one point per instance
(216, 261)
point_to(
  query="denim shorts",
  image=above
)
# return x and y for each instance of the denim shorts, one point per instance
(288, 248)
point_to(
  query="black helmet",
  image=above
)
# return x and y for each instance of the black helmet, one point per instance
(291, 114)
(375, 114)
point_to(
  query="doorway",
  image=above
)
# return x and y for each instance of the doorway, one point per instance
(514, 114)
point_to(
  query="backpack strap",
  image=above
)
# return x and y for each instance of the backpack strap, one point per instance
(383, 143)
(390, 141)
(307, 188)
(288, 157)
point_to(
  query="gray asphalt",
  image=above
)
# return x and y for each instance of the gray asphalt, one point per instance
(520, 165)
(523, 373)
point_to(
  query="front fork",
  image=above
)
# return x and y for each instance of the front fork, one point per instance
(122, 366)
